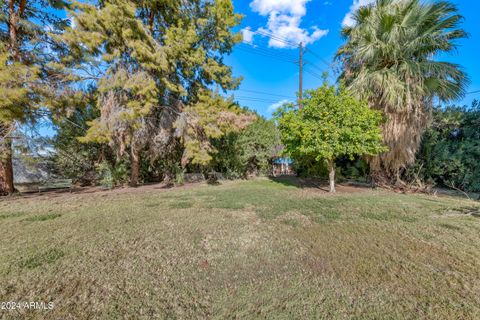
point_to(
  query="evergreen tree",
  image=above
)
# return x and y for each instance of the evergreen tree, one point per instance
(29, 83)
(156, 63)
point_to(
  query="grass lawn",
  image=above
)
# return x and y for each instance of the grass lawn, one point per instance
(244, 250)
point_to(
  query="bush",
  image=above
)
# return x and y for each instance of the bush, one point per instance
(105, 175)
(247, 152)
(110, 176)
(450, 151)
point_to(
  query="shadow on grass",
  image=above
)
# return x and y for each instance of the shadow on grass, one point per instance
(301, 183)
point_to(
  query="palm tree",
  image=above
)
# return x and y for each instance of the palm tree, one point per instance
(389, 59)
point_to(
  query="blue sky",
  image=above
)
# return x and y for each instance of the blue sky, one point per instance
(270, 76)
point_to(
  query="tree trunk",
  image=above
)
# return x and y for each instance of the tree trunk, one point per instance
(331, 175)
(13, 19)
(135, 166)
(402, 133)
(6, 167)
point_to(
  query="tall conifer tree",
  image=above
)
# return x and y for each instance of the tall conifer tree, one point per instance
(27, 79)
(157, 63)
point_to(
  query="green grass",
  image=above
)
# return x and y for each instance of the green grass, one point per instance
(43, 217)
(38, 259)
(243, 250)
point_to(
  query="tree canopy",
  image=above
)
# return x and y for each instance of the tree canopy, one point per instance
(154, 66)
(331, 123)
(29, 82)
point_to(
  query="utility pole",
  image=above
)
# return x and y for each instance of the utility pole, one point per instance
(300, 89)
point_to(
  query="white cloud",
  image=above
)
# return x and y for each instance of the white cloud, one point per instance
(284, 19)
(294, 7)
(247, 34)
(348, 20)
(272, 108)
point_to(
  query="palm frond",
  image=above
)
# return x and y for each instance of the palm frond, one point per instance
(389, 59)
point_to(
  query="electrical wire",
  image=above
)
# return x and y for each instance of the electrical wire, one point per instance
(268, 51)
(472, 92)
(308, 63)
(276, 37)
(329, 65)
(266, 93)
(286, 58)
(315, 75)
(319, 76)
(256, 99)
(253, 51)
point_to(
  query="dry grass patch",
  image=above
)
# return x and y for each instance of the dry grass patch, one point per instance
(245, 250)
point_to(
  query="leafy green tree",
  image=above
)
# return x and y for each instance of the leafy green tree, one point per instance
(389, 58)
(248, 151)
(28, 82)
(330, 124)
(258, 144)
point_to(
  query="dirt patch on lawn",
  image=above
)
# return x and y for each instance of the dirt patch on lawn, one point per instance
(147, 188)
(312, 185)
(306, 187)
(309, 186)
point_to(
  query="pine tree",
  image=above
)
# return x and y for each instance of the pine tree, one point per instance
(156, 65)
(27, 81)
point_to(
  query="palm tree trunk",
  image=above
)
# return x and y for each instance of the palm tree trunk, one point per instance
(402, 133)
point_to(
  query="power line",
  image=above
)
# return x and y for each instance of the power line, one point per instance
(266, 93)
(329, 65)
(276, 37)
(320, 76)
(282, 57)
(261, 53)
(315, 75)
(325, 62)
(264, 55)
(256, 99)
(472, 92)
(268, 51)
(272, 35)
(307, 62)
